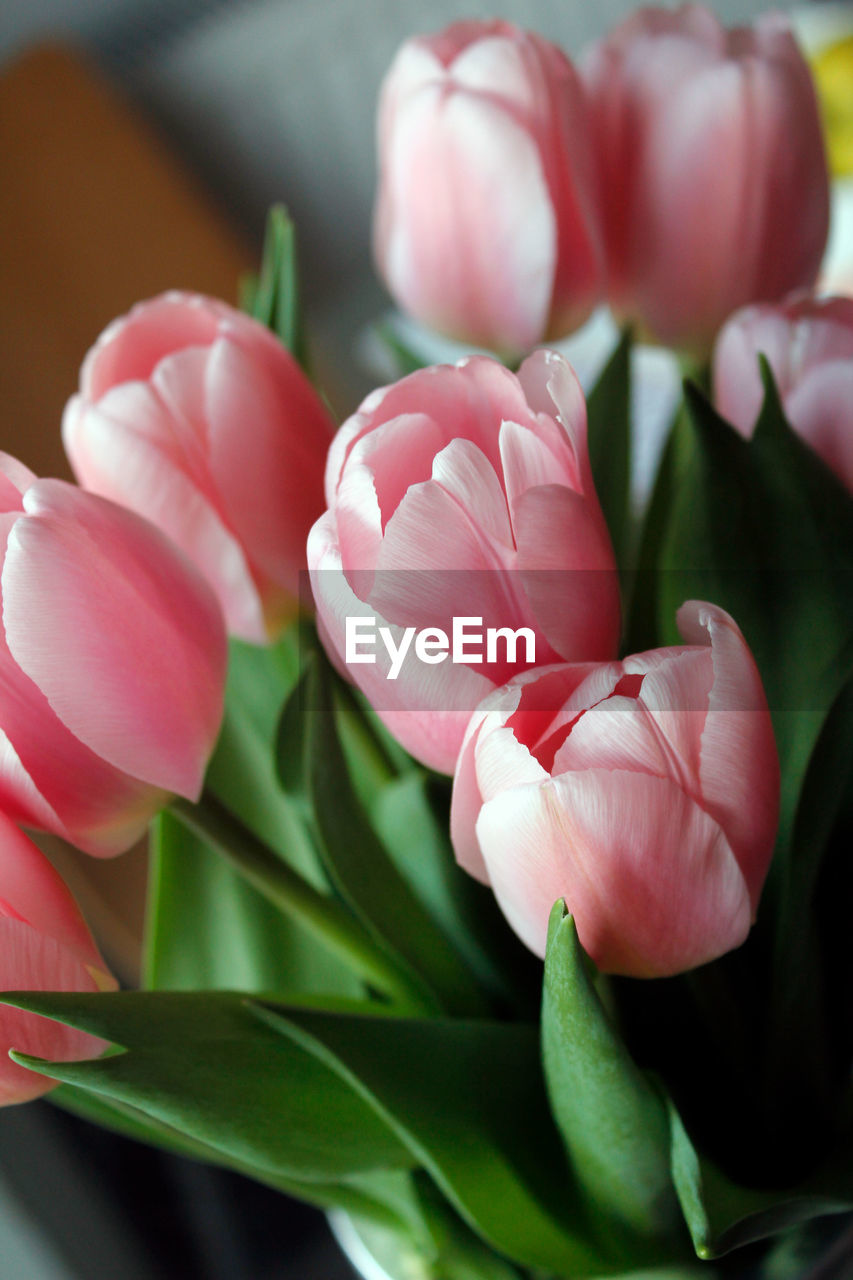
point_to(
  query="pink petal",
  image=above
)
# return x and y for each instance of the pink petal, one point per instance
(31, 960)
(684, 294)
(485, 266)
(552, 698)
(51, 781)
(647, 874)
(268, 437)
(435, 563)
(821, 410)
(617, 733)
(15, 479)
(552, 390)
(101, 613)
(738, 389)
(427, 708)
(465, 473)
(496, 65)
(739, 771)
(466, 802)
(131, 347)
(529, 463)
(566, 564)
(676, 694)
(39, 895)
(131, 467)
(397, 454)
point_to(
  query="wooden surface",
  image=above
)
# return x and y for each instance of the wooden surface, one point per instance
(95, 214)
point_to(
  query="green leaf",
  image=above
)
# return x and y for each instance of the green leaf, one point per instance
(722, 1216)
(208, 928)
(643, 607)
(373, 757)
(204, 1065)
(450, 1248)
(273, 297)
(467, 1100)
(411, 815)
(765, 530)
(609, 436)
(243, 773)
(613, 1122)
(355, 859)
(317, 1097)
(385, 1200)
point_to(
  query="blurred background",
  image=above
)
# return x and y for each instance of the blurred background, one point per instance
(141, 143)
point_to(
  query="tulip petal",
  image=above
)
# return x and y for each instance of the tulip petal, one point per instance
(553, 697)
(529, 463)
(419, 578)
(485, 267)
(30, 960)
(104, 451)
(552, 390)
(15, 479)
(103, 811)
(566, 565)
(616, 733)
(647, 874)
(130, 349)
(466, 802)
(397, 454)
(821, 409)
(738, 389)
(113, 600)
(250, 416)
(40, 896)
(464, 472)
(676, 693)
(427, 708)
(745, 801)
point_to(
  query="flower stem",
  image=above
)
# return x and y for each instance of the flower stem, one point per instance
(327, 919)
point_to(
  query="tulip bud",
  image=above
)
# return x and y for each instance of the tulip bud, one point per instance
(44, 946)
(112, 665)
(809, 345)
(645, 793)
(713, 170)
(195, 416)
(462, 493)
(486, 223)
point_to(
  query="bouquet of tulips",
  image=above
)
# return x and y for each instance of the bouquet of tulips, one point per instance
(500, 821)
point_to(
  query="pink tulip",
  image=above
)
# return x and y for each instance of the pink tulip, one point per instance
(112, 665)
(645, 793)
(196, 417)
(486, 225)
(713, 169)
(44, 946)
(463, 492)
(809, 345)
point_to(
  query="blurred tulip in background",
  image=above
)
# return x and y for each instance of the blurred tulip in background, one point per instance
(713, 170)
(808, 343)
(486, 226)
